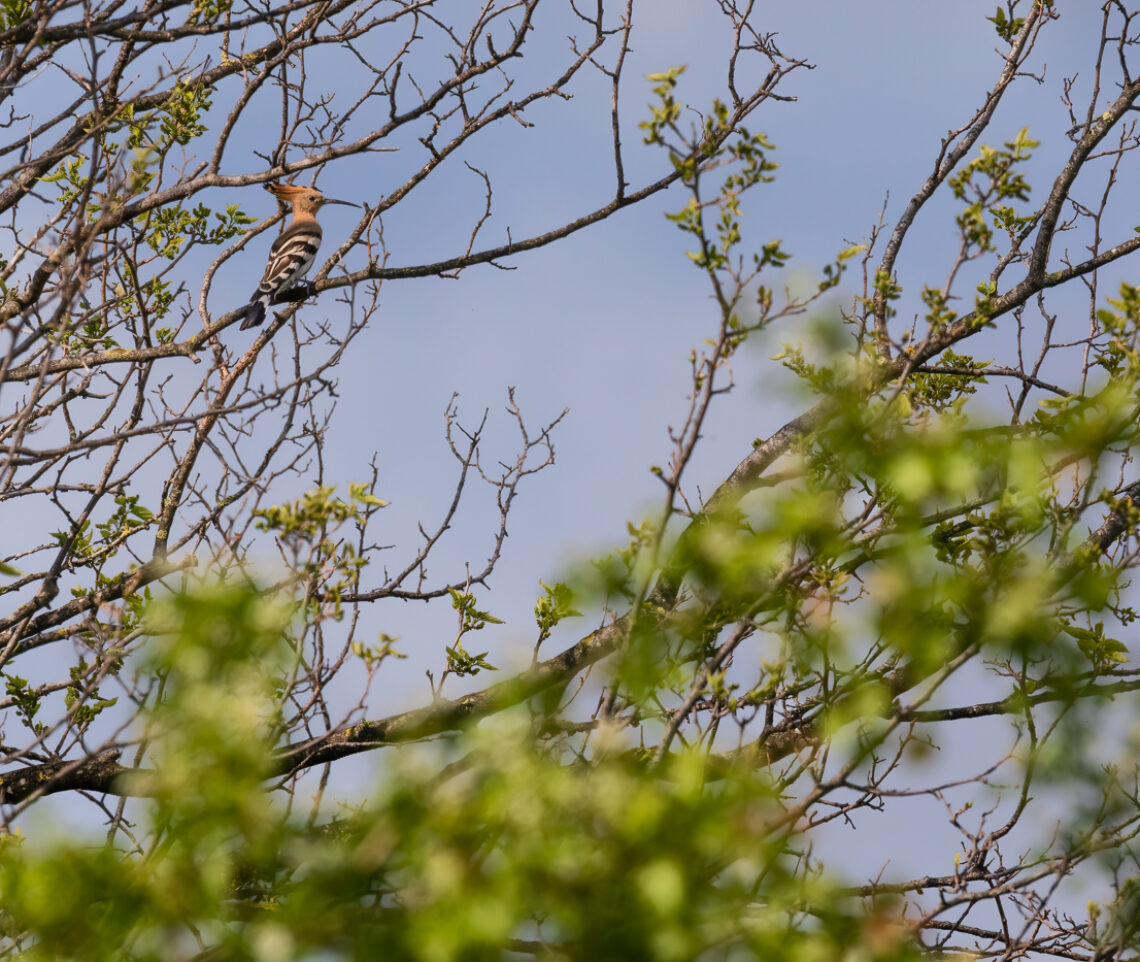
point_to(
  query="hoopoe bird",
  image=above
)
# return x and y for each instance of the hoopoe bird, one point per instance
(293, 252)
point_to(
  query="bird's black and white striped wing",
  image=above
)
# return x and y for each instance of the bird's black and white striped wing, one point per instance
(290, 258)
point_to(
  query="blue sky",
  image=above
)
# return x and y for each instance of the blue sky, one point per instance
(603, 322)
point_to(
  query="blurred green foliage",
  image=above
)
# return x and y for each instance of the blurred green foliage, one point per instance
(514, 845)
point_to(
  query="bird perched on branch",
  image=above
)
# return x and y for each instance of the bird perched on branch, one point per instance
(293, 252)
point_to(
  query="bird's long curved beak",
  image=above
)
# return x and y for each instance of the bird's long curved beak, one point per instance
(347, 203)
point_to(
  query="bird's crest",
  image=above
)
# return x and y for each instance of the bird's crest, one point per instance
(287, 192)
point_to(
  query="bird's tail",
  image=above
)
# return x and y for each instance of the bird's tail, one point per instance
(255, 313)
